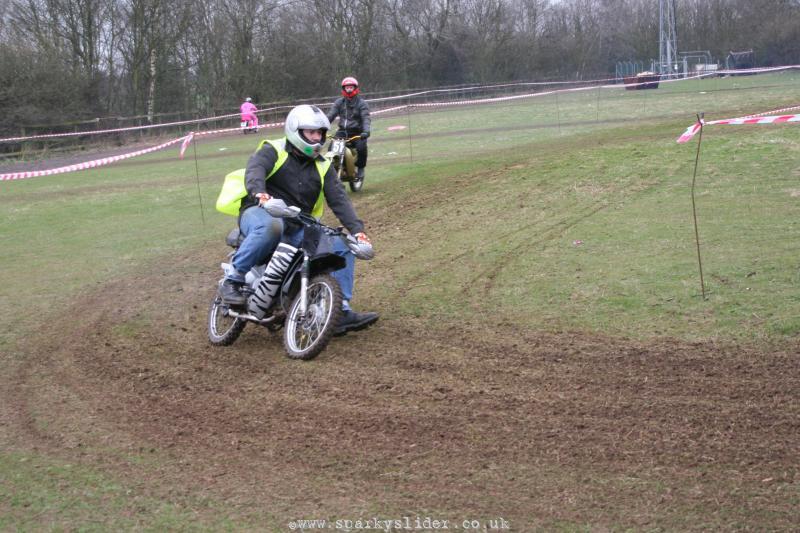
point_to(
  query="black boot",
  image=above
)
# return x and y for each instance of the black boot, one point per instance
(360, 173)
(231, 292)
(352, 321)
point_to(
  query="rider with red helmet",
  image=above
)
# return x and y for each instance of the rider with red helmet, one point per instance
(353, 113)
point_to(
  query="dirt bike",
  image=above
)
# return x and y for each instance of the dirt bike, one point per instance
(248, 124)
(293, 290)
(339, 151)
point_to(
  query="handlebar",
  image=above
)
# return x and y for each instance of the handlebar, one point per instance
(353, 138)
(278, 208)
(308, 220)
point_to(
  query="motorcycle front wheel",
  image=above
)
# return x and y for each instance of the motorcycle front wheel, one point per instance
(305, 336)
(223, 330)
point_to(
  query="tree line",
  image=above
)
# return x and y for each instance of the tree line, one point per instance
(63, 60)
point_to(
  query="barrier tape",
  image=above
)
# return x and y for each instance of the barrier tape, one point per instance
(526, 95)
(411, 95)
(187, 139)
(185, 142)
(278, 108)
(777, 119)
(774, 111)
(134, 128)
(88, 164)
(690, 132)
(677, 77)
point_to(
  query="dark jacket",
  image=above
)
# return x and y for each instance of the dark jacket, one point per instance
(353, 114)
(297, 183)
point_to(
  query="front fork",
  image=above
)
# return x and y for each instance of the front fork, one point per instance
(304, 274)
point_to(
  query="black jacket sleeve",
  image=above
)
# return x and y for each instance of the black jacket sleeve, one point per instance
(366, 122)
(258, 166)
(336, 110)
(340, 203)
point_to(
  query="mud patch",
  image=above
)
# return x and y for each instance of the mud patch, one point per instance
(468, 419)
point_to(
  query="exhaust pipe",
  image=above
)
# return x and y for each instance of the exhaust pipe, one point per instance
(251, 318)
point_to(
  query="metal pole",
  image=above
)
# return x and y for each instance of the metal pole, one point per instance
(197, 174)
(558, 113)
(408, 119)
(694, 208)
(644, 102)
(597, 108)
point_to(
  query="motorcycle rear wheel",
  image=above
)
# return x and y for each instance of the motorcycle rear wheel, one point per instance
(305, 337)
(222, 329)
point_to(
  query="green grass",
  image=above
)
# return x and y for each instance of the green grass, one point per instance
(635, 268)
(40, 494)
(602, 239)
(567, 216)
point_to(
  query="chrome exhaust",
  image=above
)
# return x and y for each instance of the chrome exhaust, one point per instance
(251, 318)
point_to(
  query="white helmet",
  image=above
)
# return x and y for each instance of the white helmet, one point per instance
(306, 117)
(248, 99)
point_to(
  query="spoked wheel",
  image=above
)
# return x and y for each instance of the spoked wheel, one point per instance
(306, 336)
(222, 328)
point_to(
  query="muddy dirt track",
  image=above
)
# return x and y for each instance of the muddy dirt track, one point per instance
(453, 420)
(412, 417)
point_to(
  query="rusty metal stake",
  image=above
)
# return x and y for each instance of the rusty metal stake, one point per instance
(694, 209)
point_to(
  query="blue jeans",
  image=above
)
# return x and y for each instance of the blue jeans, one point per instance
(262, 233)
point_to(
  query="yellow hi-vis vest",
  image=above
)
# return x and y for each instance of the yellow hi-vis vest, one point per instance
(233, 190)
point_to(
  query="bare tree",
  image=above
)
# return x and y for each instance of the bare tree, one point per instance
(86, 57)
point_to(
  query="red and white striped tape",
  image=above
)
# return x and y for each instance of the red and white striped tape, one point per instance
(88, 164)
(185, 142)
(421, 93)
(189, 138)
(783, 110)
(692, 130)
(133, 128)
(526, 95)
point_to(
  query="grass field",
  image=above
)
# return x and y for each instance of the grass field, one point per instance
(536, 262)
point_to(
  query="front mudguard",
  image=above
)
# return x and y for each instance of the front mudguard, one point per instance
(350, 163)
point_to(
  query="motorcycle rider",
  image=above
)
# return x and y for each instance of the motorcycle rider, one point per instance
(248, 111)
(353, 113)
(297, 182)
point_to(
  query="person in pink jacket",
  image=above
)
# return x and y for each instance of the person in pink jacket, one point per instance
(248, 111)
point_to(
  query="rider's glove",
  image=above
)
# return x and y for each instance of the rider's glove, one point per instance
(364, 134)
(362, 238)
(262, 197)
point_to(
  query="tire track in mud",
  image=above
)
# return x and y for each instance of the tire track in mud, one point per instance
(432, 406)
(402, 413)
(490, 273)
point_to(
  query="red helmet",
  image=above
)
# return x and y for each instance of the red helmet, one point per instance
(349, 81)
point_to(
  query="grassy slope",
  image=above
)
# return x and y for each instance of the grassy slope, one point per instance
(483, 224)
(603, 239)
